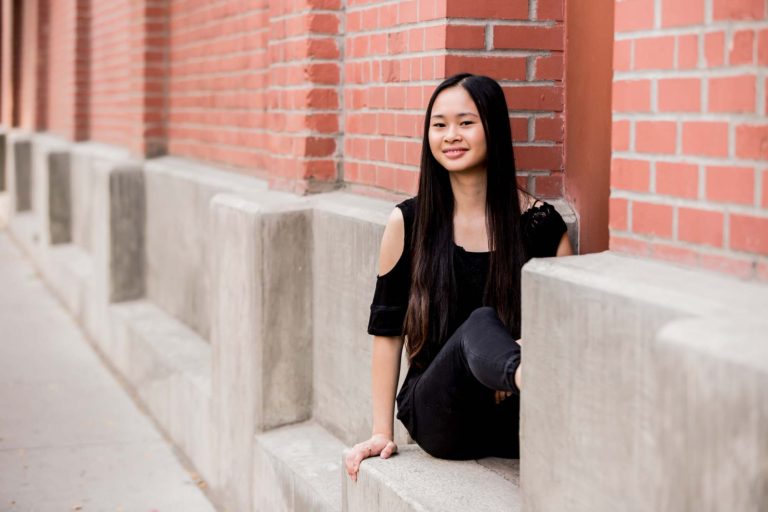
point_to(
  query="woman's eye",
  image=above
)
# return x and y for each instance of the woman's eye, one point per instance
(438, 125)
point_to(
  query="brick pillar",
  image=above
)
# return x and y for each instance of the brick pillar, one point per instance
(396, 53)
(304, 95)
(149, 51)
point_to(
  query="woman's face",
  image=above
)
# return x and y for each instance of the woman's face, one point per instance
(456, 135)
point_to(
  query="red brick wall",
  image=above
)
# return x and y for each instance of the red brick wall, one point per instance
(216, 82)
(396, 53)
(690, 139)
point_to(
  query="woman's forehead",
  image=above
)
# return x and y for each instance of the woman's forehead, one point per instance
(453, 102)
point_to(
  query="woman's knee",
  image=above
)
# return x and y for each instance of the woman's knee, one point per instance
(482, 315)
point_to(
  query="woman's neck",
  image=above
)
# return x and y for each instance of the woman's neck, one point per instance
(469, 190)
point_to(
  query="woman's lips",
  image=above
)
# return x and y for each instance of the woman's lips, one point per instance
(454, 153)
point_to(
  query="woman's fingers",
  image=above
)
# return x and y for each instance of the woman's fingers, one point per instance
(388, 450)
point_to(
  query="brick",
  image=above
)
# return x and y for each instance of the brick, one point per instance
(528, 38)
(655, 137)
(714, 49)
(549, 67)
(688, 52)
(764, 193)
(632, 15)
(705, 138)
(652, 219)
(618, 214)
(620, 135)
(546, 158)
(679, 95)
(628, 245)
(630, 175)
(762, 48)
(738, 267)
(464, 37)
(675, 13)
(741, 50)
(499, 68)
(733, 94)
(654, 53)
(752, 141)
(491, 9)
(543, 98)
(549, 186)
(749, 233)
(704, 227)
(679, 180)
(519, 127)
(730, 184)
(738, 10)
(622, 55)
(631, 95)
(674, 253)
(550, 10)
(548, 129)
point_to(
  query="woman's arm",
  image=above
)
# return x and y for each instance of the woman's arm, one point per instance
(385, 364)
(385, 372)
(564, 247)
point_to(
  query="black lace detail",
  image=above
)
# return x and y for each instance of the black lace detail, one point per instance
(543, 227)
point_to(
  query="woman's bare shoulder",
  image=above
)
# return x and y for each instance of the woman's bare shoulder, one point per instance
(392, 241)
(527, 201)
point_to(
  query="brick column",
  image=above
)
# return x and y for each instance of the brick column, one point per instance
(395, 54)
(304, 94)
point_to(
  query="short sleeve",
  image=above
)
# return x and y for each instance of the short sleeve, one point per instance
(390, 297)
(542, 228)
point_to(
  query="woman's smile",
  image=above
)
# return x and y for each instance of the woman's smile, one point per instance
(455, 153)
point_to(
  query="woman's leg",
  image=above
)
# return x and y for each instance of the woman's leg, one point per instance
(453, 401)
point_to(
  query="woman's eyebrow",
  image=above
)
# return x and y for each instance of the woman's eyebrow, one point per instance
(457, 115)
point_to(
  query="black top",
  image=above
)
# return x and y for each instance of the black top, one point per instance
(542, 229)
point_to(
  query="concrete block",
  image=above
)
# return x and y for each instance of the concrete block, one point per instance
(261, 331)
(169, 367)
(711, 437)
(178, 193)
(590, 409)
(413, 480)
(3, 142)
(347, 233)
(297, 468)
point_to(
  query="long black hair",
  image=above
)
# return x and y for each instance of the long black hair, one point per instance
(433, 295)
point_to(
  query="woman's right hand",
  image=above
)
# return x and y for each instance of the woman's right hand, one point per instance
(378, 444)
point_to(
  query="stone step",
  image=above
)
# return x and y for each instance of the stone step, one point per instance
(300, 467)
(297, 467)
(412, 480)
(169, 366)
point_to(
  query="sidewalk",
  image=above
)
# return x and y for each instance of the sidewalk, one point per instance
(70, 436)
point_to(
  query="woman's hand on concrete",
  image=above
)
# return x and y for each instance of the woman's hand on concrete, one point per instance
(378, 444)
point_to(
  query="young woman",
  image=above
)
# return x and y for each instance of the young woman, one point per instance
(449, 285)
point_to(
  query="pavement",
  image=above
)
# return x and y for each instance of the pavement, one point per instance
(71, 437)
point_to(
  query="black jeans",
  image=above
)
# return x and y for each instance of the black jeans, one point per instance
(455, 415)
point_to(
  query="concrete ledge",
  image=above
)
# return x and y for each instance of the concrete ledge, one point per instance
(413, 480)
(297, 468)
(713, 414)
(178, 255)
(593, 437)
(169, 366)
